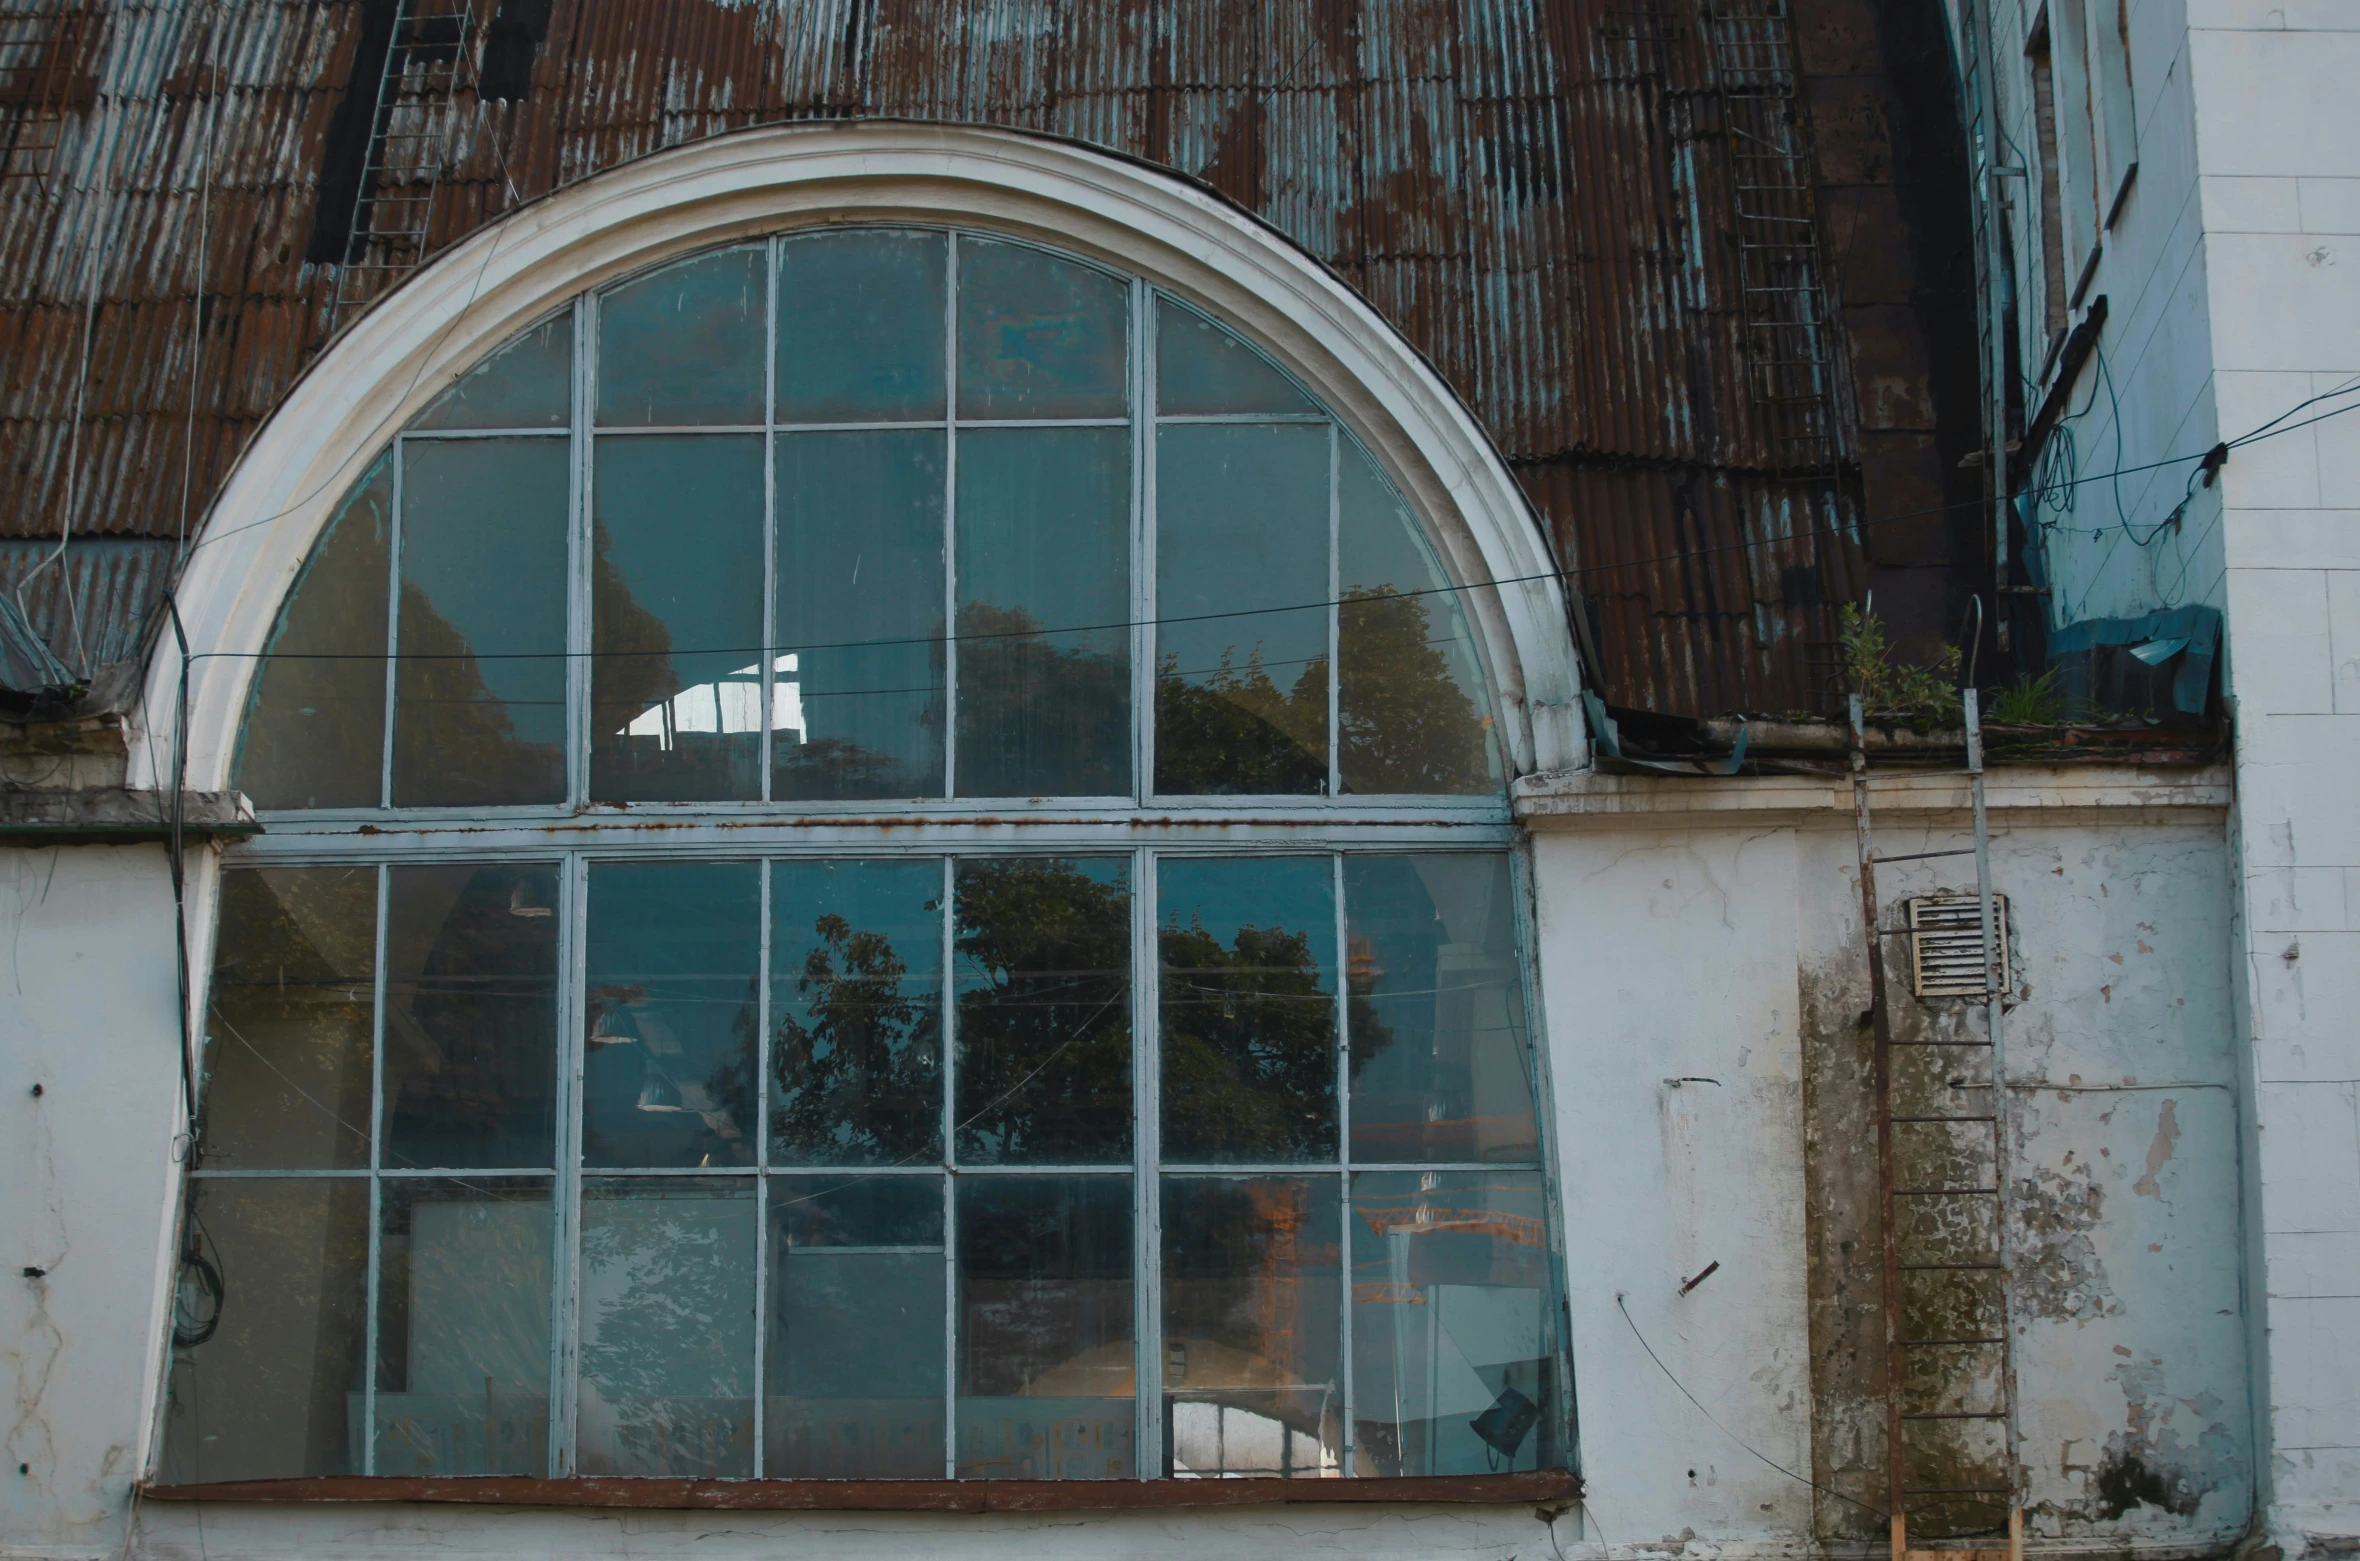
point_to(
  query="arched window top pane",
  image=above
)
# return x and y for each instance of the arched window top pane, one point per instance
(867, 515)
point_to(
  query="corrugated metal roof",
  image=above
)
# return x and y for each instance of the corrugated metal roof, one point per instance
(1534, 191)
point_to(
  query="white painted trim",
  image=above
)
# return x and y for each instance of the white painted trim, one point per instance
(2029, 794)
(409, 346)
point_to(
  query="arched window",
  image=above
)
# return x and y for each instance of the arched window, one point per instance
(886, 858)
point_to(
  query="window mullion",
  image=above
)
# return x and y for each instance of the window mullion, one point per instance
(762, 1299)
(768, 675)
(950, 524)
(566, 1195)
(393, 629)
(950, 1180)
(1344, 1161)
(1146, 1189)
(577, 616)
(376, 1186)
(1143, 541)
(1335, 594)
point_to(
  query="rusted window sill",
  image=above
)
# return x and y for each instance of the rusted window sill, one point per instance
(1544, 1485)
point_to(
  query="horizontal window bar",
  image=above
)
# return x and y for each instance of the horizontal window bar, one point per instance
(489, 433)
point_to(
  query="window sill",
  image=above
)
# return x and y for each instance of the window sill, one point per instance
(1542, 1485)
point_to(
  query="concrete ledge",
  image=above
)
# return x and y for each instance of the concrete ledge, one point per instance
(1576, 799)
(117, 815)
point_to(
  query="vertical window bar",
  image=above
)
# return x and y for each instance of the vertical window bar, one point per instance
(376, 1184)
(950, 533)
(1146, 1191)
(768, 674)
(578, 553)
(1344, 1155)
(1143, 411)
(1556, 1321)
(565, 1319)
(1335, 611)
(393, 628)
(950, 1179)
(762, 1126)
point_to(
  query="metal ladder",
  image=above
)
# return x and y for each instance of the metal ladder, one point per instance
(393, 214)
(1942, 1174)
(1782, 285)
(39, 47)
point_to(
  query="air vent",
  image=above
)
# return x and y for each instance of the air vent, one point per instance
(1946, 944)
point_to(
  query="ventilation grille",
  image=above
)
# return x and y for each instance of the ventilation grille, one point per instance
(1946, 944)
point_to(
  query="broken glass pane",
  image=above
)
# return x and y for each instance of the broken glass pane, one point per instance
(1241, 665)
(1047, 1368)
(860, 327)
(479, 714)
(667, 1327)
(856, 990)
(526, 384)
(316, 735)
(683, 347)
(1039, 335)
(287, 1028)
(857, 697)
(676, 619)
(471, 1016)
(1248, 1003)
(463, 1327)
(1441, 1066)
(1044, 1010)
(1045, 545)
(1454, 1324)
(855, 1353)
(669, 1073)
(1253, 1379)
(275, 1393)
(1413, 715)
(1201, 368)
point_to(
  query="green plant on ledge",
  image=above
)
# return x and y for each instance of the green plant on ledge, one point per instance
(1923, 696)
(2029, 701)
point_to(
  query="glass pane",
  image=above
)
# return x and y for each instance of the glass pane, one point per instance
(1202, 368)
(463, 1327)
(1044, 1021)
(667, 1327)
(669, 1075)
(676, 620)
(855, 1355)
(287, 1026)
(1440, 1063)
(529, 383)
(856, 705)
(1253, 1327)
(1044, 543)
(856, 985)
(1248, 1001)
(860, 327)
(1047, 1368)
(316, 734)
(480, 693)
(1241, 532)
(471, 1016)
(1039, 336)
(1454, 1324)
(684, 347)
(1413, 713)
(275, 1393)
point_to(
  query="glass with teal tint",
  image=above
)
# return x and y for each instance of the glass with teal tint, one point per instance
(854, 1359)
(857, 671)
(529, 383)
(1456, 1342)
(668, 1073)
(1412, 713)
(1241, 550)
(1040, 336)
(666, 1379)
(682, 347)
(463, 1272)
(1203, 370)
(861, 327)
(1043, 971)
(1252, 1350)
(1247, 996)
(676, 619)
(1046, 1327)
(1441, 1058)
(315, 735)
(288, 1057)
(1044, 551)
(275, 1392)
(479, 693)
(856, 1012)
(471, 1016)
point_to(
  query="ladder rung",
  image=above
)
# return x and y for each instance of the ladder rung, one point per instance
(1957, 1490)
(1948, 1268)
(1952, 1119)
(1946, 1043)
(1923, 1344)
(1921, 856)
(1944, 1192)
(1958, 1414)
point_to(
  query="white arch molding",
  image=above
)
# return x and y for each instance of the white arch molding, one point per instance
(444, 319)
